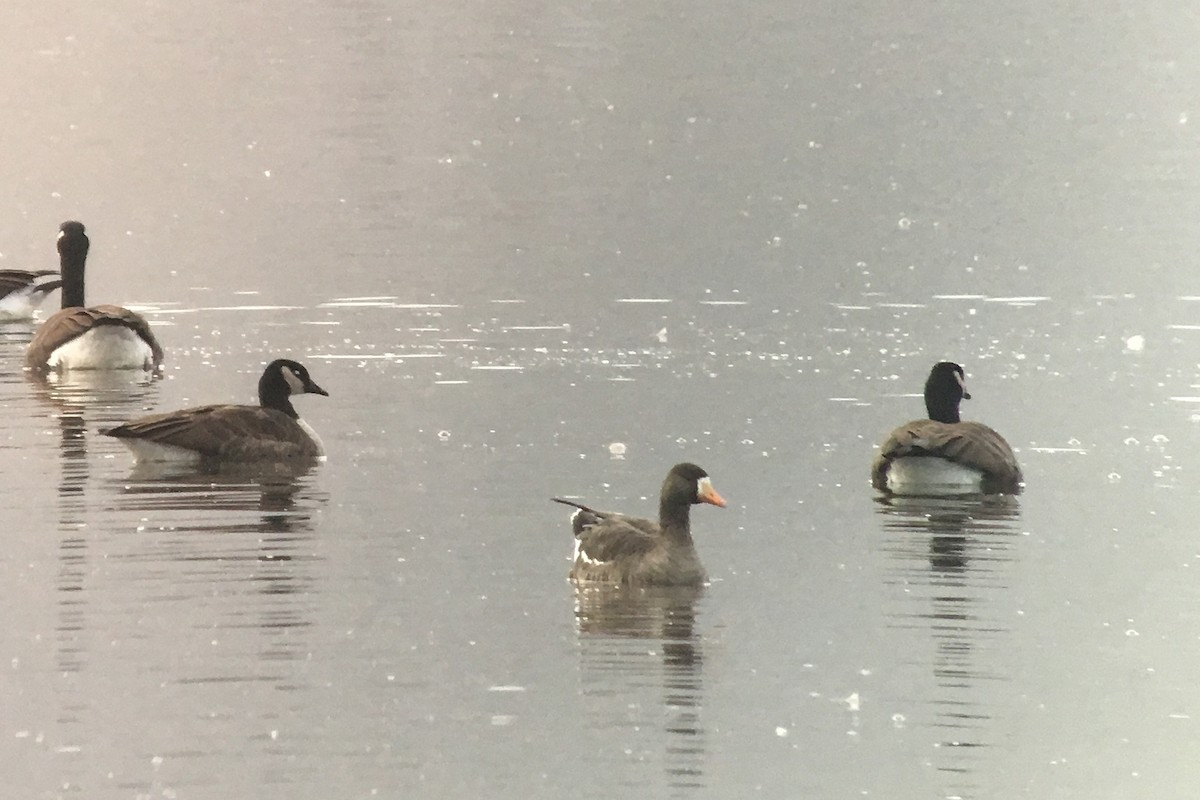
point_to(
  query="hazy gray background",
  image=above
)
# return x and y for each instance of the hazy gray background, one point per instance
(823, 199)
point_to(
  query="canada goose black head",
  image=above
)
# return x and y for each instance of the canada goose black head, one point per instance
(73, 247)
(280, 380)
(944, 389)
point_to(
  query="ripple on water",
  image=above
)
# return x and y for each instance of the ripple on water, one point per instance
(950, 563)
(641, 673)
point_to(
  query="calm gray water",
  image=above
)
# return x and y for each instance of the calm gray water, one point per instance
(507, 237)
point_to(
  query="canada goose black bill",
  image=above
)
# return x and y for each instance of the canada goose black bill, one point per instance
(942, 455)
(270, 431)
(89, 337)
(617, 549)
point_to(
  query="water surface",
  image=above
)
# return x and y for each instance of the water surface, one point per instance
(553, 251)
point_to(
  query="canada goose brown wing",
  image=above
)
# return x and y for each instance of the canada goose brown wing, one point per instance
(971, 444)
(225, 432)
(69, 323)
(983, 448)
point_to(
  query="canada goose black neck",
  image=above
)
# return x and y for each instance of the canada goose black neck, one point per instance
(943, 392)
(73, 247)
(274, 392)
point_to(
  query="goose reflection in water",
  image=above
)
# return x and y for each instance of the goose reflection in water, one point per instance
(951, 560)
(631, 640)
(247, 534)
(79, 402)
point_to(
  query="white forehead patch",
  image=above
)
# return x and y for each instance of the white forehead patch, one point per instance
(294, 381)
(61, 234)
(704, 486)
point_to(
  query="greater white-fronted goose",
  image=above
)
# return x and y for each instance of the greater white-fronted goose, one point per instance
(270, 431)
(89, 337)
(613, 548)
(22, 291)
(942, 455)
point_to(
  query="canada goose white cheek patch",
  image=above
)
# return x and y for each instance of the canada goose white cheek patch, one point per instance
(294, 382)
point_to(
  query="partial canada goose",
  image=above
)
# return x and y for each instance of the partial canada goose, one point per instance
(942, 455)
(614, 548)
(22, 291)
(96, 337)
(270, 431)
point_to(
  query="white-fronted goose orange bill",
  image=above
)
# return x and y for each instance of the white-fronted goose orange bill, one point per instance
(22, 291)
(89, 337)
(943, 455)
(270, 431)
(617, 549)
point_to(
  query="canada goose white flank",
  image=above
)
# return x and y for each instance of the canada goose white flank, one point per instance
(89, 337)
(22, 291)
(943, 455)
(270, 431)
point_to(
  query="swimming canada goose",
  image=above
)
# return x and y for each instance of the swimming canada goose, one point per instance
(614, 548)
(95, 337)
(942, 455)
(22, 291)
(270, 431)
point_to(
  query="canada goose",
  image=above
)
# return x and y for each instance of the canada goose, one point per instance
(614, 548)
(270, 431)
(942, 455)
(22, 291)
(83, 337)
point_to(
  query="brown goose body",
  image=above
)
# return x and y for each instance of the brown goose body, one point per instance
(614, 548)
(222, 433)
(79, 336)
(943, 454)
(270, 431)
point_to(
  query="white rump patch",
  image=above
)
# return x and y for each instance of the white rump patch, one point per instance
(932, 476)
(104, 347)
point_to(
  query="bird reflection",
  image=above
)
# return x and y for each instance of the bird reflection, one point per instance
(950, 557)
(78, 401)
(617, 628)
(245, 527)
